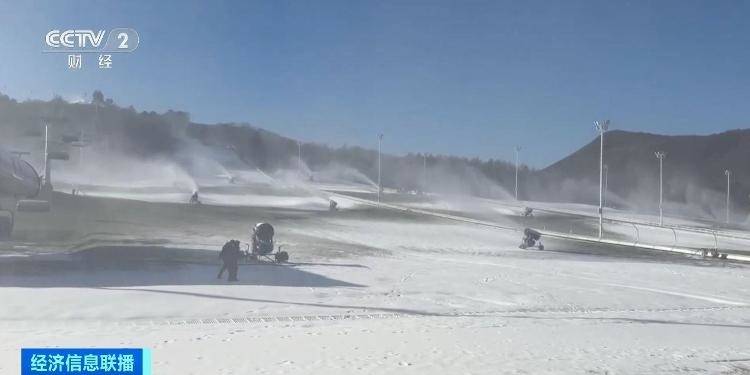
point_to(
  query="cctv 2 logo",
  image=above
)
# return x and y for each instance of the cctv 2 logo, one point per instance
(75, 40)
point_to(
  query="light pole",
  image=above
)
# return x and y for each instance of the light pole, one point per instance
(517, 149)
(660, 155)
(380, 185)
(602, 127)
(728, 173)
(606, 184)
(47, 170)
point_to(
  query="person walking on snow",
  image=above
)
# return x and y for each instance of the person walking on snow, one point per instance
(230, 256)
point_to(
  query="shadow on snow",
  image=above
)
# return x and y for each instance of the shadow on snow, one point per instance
(117, 266)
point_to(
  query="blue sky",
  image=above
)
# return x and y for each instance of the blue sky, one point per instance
(469, 78)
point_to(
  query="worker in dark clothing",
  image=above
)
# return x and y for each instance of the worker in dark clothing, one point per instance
(230, 255)
(194, 198)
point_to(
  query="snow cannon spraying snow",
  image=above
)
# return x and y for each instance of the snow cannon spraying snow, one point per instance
(262, 244)
(531, 238)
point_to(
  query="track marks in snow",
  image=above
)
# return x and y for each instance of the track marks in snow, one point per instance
(491, 301)
(287, 320)
(597, 280)
(407, 277)
(680, 294)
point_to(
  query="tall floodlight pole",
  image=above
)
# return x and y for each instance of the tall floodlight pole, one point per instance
(606, 183)
(660, 155)
(728, 173)
(47, 188)
(380, 185)
(47, 170)
(602, 127)
(517, 149)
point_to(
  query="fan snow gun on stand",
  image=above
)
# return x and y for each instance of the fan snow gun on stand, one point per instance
(531, 238)
(262, 245)
(22, 189)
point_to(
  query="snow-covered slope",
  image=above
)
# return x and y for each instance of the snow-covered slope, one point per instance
(368, 290)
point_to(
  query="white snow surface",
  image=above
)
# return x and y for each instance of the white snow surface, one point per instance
(368, 291)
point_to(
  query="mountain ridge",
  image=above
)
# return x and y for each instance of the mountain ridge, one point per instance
(693, 168)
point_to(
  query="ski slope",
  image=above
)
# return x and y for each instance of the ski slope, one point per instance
(369, 290)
